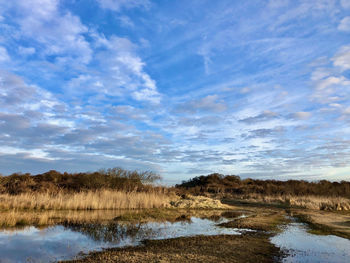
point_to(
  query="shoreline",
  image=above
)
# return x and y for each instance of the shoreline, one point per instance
(248, 247)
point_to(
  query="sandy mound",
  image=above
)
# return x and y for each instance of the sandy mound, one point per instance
(196, 202)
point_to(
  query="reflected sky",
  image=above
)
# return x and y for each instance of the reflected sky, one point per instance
(65, 242)
(306, 247)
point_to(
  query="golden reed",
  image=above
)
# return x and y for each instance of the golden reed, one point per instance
(304, 201)
(101, 199)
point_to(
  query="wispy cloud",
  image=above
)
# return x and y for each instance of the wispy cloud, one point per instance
(117, 5)
(180, 87)
(344, 24)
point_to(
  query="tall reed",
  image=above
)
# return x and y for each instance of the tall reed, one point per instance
(304, 201)
(101, 199)
(18, 218)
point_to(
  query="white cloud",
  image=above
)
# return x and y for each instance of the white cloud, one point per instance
(117, 5)
(329, 90)
(342, 58)
(262, 117)
(32, 118)
(331, 85)
(26, 51)
(320, 73)
(210, 103)
(347, 110)
(121, 72)
(102, 124)
(60, 32)
(245, 90)
(344, 24)
(4, 56)
(307, 8)
(330, 81)
(345, 3)
(126, 21)
(126, 70)
(17, 96)
(302, 115)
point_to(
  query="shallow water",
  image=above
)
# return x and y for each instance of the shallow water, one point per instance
(65, 242)
(305, 247)
(59, 242)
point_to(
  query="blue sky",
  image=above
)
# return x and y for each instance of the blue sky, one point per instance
(254, 88)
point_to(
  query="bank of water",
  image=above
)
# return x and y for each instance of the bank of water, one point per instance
(60, 242)
(301, 246)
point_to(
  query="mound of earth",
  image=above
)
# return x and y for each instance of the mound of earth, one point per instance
(198, 202)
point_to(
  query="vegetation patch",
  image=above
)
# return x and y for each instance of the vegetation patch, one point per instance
(171, 215)
(265, 221)
(324, 226)
(224, 248)
(55, 182)
(321, 195)
(91, 200)
(198, 202)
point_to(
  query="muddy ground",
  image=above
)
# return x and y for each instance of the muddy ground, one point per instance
(325, 222)
(224, 248)
(248, 247)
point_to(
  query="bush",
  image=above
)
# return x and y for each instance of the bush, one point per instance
(54, 181)
(231, 184)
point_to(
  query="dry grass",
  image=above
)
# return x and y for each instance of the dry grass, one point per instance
(263, 220)
(325, 222)
(306, 201)
(321, 203)
(254, 247)
(17, 218)
(102, 199)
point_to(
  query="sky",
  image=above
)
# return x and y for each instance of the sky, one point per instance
(255, 88)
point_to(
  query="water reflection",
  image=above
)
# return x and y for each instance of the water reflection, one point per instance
(305, 247)
(68, 240)
(112, 232)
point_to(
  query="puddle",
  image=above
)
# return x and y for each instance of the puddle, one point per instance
(305, 247)
(66, 242)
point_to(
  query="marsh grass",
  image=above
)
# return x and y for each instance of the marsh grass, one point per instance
(21, 218)
(18, 218)
(306, 201)
(91, 200)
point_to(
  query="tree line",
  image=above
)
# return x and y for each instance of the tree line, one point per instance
(231, 184)
(54, 181)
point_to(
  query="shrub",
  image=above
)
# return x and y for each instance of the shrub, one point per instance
(54, 181)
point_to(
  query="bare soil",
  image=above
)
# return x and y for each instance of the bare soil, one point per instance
(248, 247)
(224, 248)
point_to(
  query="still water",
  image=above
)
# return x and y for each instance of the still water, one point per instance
(309, 248)
(60, 242)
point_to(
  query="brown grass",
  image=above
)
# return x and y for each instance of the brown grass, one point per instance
(17, 218)
(253, 247)
(325, 222)
(101, 199)
(305, 201)
(266, 220)
(321, 203)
